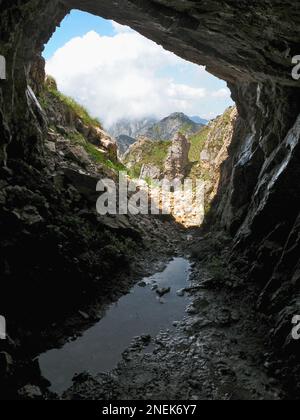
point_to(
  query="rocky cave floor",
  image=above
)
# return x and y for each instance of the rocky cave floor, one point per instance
(218, 351)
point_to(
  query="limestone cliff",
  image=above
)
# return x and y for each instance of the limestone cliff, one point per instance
(177, 161)
(209, 150)
(200, 156)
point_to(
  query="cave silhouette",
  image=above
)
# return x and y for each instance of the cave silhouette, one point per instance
(252, 47)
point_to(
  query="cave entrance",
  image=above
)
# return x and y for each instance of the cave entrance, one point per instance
(42, 219)
(142, 96)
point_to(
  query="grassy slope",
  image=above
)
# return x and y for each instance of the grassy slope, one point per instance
(153, 153)
(197, 143)
(51, 93)
(215, 131)
(79, 110)
(95, 154)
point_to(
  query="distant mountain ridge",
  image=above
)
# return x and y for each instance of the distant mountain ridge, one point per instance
(124, 142)
(131, 128)
(171, 125)
(199, 120)
(126, 131)
(207, 150)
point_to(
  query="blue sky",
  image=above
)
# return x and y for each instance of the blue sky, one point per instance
(75, 24)
(116, 73)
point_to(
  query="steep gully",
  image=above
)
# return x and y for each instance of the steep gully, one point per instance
(251, 47)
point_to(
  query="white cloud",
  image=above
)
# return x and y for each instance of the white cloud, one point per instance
(119, 29)
(125, 76)
(221, 93)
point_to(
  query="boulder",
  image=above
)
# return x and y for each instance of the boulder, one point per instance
(30, 392)
(84, 184)
(50, 146)
(163, 291)
(78, 154)
(150, 171)
(101, 139)
(50, 82)
(121, 224)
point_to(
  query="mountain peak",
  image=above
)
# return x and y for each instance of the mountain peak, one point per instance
(169, 126)
(127, 131)
(177, 115)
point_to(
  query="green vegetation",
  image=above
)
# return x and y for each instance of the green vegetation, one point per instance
(185, 128)
(44, 101)
(96, 155)
(78, 110)
(75, 107)
(226, 116)
(197, 144)
(217, 132)
(150, 153)
(47, 99)
(100, 158)
(198, 141)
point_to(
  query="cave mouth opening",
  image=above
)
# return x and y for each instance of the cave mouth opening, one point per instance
(132, 68)
(141, 95)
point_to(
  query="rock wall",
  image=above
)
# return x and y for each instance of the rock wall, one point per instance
(25, 27)
(215, 151)
(259, 196)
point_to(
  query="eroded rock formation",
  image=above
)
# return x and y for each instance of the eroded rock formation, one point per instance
(150, 172)
(177, 160)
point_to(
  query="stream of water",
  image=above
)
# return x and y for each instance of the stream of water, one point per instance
(140, 312)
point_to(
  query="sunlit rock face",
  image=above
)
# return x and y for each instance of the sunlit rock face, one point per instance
(177, 160)
(248, 44)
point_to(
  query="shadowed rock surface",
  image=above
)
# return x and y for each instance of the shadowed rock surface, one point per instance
(248, 44)
(124, 142)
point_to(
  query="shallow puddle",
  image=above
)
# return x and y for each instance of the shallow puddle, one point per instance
(140, 312)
